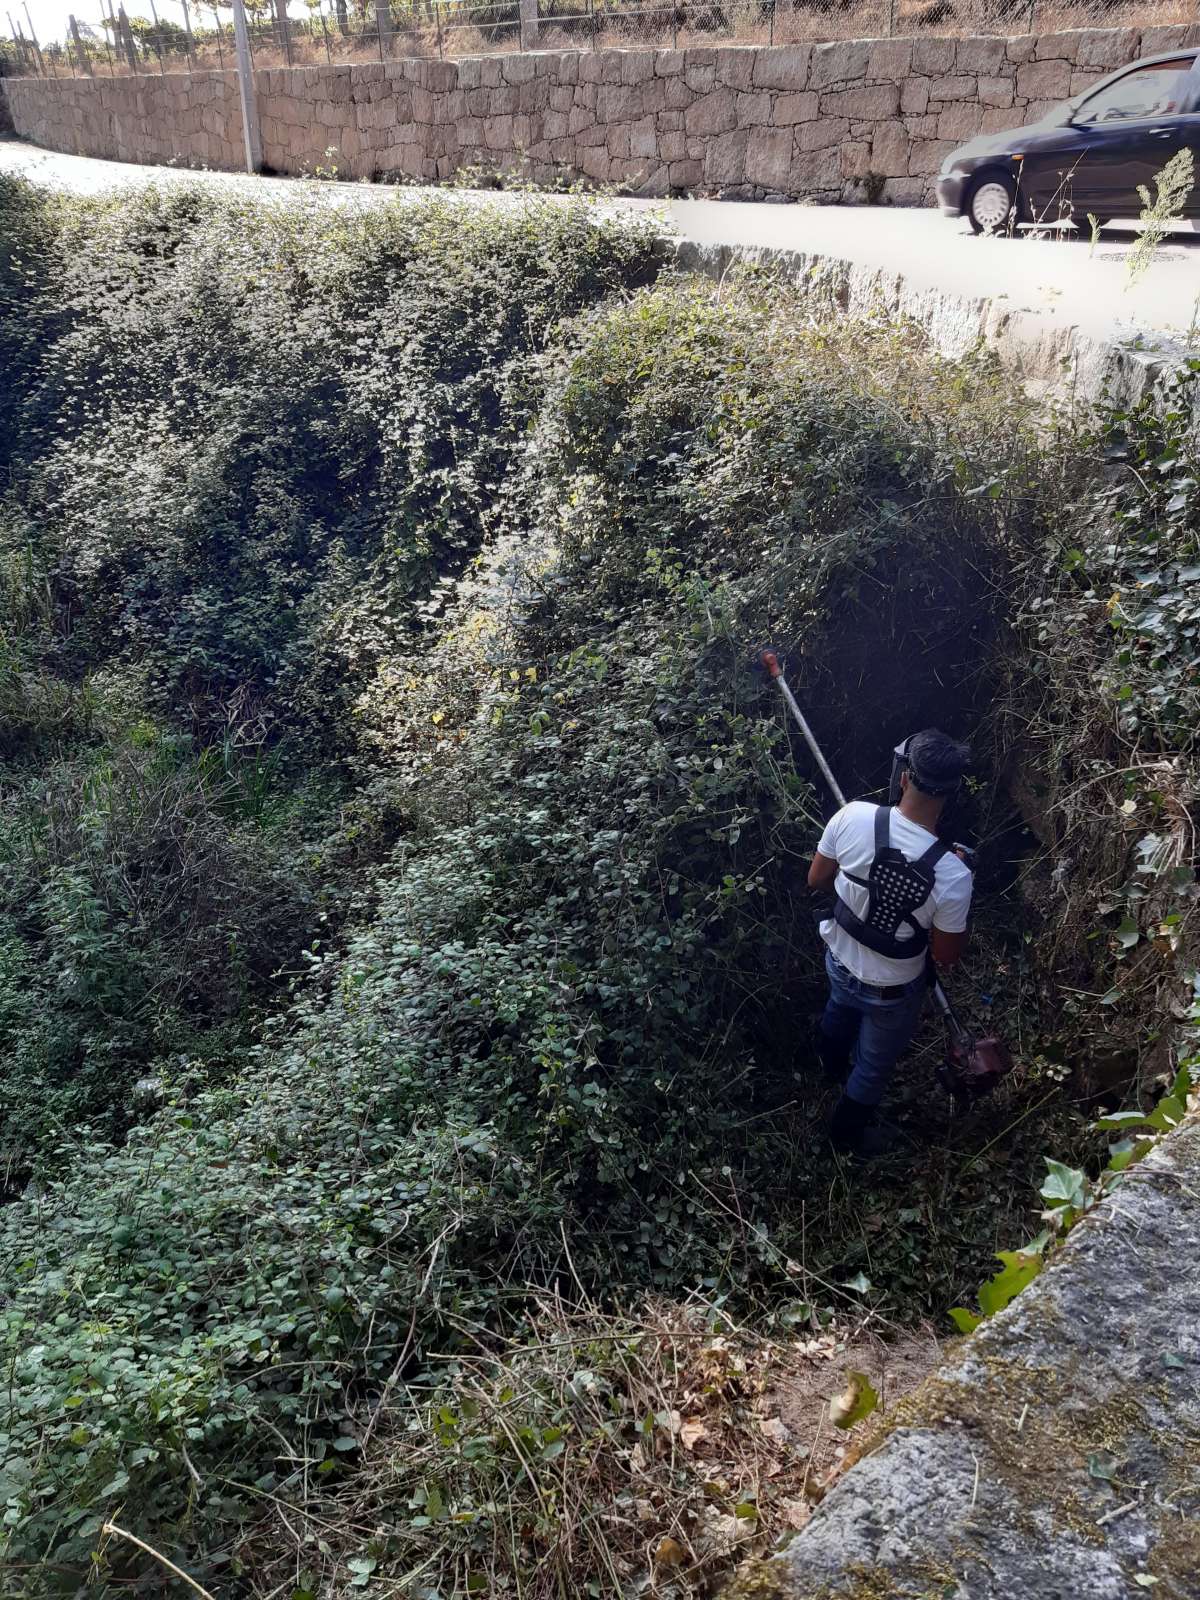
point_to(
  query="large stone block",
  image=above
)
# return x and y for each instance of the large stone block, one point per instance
(854, 160)
(668, 63)
(875, 100)
(618, 102)
(769, 157)
(960, 122)
(1021, 48)
(995, 91)
(735, 66)
(618, 140)
(889, 150)
(594, 163)
(700, 78)
(498, 133)
(1156, 40)
(814, 172)
(955, 88)
(979, 55)
(914, 96)
(753, 110)
(792, 108)
(926, 155)
(713, 113)
(889, 60)
(1044, 80)
(636, 66)
(725, 158)
(843, 62)
(934, 57)
(786, 68)
(673, 146)
(686, 174)
(821, 133)
(643, 139)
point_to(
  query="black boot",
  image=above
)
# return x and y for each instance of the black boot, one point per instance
(853, 1133)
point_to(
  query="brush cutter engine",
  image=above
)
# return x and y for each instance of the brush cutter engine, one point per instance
(973, 1067)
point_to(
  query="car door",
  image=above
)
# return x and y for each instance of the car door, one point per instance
(1128, 131)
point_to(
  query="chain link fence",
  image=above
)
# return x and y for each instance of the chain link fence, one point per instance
(327, 31)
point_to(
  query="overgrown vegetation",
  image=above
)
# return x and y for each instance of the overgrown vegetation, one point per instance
(401, 915)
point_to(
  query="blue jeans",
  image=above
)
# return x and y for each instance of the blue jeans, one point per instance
(876, 1031)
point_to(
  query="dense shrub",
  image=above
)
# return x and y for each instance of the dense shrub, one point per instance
(248, 445)
(1099, 725)
(560, 1035)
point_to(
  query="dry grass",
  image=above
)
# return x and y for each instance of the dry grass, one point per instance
(645, 25)
(599, 1455)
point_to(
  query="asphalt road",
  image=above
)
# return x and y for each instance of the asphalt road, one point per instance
(1062, 277)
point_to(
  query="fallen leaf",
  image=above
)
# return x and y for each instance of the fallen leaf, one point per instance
(796, 1513)
(691, 1432)
(856, 1401)
(670, 1553)
(773, 1429)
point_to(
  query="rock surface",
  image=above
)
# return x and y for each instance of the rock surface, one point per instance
(1056, 1456)
(860, 119)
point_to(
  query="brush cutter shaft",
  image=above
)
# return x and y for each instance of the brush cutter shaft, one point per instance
(771, 662)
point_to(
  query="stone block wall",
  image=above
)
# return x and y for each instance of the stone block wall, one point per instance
(861, 119)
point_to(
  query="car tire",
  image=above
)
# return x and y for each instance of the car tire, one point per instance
(992, 203)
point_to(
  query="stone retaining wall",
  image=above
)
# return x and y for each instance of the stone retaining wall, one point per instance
(864, 119)
(1055, 1456)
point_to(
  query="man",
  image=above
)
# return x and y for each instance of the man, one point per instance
(900, 895)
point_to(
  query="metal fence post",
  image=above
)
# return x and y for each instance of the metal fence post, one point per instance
(37, 49)
(592, 18)
(220, 51)
(157, 37)
(437, 18)
(249, 98)
(325, 36)
(187, 31)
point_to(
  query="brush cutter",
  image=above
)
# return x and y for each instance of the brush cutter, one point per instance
(973, 1067)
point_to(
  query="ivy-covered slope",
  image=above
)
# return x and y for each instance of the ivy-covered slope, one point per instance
(403, 897)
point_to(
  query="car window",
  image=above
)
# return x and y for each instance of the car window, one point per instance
(1156, 91)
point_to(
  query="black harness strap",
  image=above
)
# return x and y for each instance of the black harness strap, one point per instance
(896, 889)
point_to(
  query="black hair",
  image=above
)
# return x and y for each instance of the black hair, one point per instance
(936, 762)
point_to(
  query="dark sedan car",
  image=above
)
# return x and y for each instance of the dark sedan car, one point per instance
(1087, 156)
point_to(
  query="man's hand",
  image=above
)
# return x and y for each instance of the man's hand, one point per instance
(822, 873)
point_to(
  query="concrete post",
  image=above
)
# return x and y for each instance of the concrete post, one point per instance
(529, 24)
(80, 52)
(126, 36)
(245, 72)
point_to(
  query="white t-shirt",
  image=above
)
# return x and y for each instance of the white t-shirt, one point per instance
(849, 839)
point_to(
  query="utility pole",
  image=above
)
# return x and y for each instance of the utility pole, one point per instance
(245, 71)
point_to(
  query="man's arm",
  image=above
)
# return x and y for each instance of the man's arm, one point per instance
(946, 948)
(821, 873)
